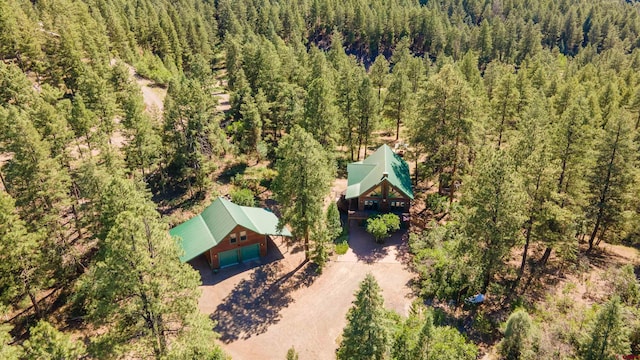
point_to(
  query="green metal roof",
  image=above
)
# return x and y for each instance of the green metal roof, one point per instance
(209, 228)
(365, 174)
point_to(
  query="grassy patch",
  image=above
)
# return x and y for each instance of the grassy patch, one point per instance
(342, 247)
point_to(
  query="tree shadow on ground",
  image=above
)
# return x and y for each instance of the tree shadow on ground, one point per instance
(255, 303)
(232, 170)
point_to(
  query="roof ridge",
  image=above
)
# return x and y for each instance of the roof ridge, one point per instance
(255, 227)
(223, 201)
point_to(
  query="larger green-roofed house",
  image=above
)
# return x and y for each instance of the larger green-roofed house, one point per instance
(379, 183)
(227, 233)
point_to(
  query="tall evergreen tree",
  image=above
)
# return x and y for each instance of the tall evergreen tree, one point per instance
(608, 335)
(151, 306)
(192, 132)
(494, 218)
(366, 335)
(610, 178)
(399, 102)
(367, 112)
(23, 269)
(444, 128)
(302, 196)
(334, 224)
(379, 74)
(320, 112)
(504, 105)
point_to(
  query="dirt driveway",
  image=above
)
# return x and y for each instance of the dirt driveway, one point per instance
(264, 309)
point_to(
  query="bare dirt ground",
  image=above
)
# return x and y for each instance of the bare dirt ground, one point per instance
(264, 308)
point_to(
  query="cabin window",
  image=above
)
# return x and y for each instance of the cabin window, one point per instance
(371, 205)
(243, 235)
(397, 204)
(232, 238)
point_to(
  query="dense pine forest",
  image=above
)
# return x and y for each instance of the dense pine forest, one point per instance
(520, 121)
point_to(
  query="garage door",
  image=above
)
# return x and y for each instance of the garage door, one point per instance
(250, 252)
(228, 258)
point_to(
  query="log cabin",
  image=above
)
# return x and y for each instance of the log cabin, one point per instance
(381, 183)
(227, 233)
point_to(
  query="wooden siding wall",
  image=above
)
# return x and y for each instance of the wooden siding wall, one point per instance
(226, 245)
(384, 201)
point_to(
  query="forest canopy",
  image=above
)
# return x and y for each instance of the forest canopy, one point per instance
(521, 120)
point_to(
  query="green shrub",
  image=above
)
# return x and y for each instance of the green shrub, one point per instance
(334, 225)
(437, 203)
(243, 197)
(150, 66)
(624, 284)
(342, 248)
(381, 225)
(521, 337)
(377, 228)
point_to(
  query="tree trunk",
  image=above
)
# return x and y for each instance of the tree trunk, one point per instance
(595, 231)
(565, 158)
(398, 126)
(523, 262)
(34, 302)
(603, 195)
(4, 184)
(528, 237)
(306, 245)
(416, 171)
(545, 257)
(453, 171)
(500, 132)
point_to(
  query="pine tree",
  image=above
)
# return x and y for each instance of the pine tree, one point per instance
(82, 120)
(367, 111)
(301, 196)
(39, 185)
(47, 343)
(7, 350)
(444, 128)
(366, 335)
(334, 224)
(422, 348)
(379, 73)
(143, 147)
(350, 75)
(610, 178)
(320, 112)
(494, 219)
(399, 102)
(251, 125)
(608, 336)
(192, 134)
(23, 271)
(151, 306)
(546, 221)
(504, 105)
(520, 337)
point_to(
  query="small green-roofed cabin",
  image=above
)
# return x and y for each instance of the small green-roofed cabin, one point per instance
(227, 233)
(380, 183)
